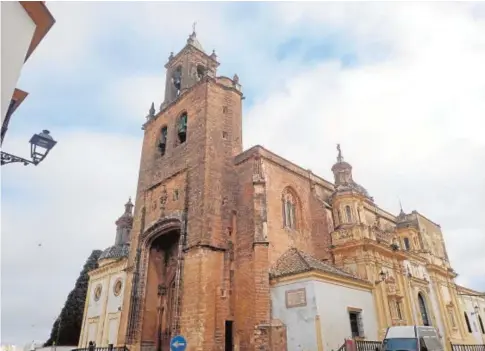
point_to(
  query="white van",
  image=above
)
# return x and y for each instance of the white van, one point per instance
(412, 338)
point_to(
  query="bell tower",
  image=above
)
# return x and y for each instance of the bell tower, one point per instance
(187, 68)
(185, 200)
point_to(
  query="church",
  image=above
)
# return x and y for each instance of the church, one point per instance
(243, 250)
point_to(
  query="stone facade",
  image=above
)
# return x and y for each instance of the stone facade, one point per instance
(212, 223)
(104, 299)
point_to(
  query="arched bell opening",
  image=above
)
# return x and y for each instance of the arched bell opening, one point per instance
(160, 291)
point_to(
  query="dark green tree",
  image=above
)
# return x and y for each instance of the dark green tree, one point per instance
(67, 327)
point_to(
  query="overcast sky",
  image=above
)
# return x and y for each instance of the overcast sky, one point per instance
(401, 86)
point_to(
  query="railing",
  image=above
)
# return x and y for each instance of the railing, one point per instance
(110, 347)
(463, 347)
(371, 345)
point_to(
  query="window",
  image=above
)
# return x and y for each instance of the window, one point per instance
(481, 324)
(469, 327)
(175, 194)
(200, 72)
(182, 128)
(356, 324)
(289, 209)
(162, 143)
(423, 310)
(348, 212)
(399, 311)
(407, 244)
(177, 80)
(117, 287)
(97, 292)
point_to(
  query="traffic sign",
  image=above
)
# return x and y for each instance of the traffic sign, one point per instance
(178, 343)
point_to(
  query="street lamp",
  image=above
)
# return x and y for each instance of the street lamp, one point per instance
(40, 145)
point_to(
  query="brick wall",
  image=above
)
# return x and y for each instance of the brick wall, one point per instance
(197, 176)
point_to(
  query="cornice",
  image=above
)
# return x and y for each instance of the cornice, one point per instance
(113, 267)
(187, 49)
(324, 277)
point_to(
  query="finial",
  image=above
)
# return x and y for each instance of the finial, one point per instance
(340, 158)
(152, 110)
(171, 56)
(193, 27)
(400, 206)
(128, 206)
(235, 78)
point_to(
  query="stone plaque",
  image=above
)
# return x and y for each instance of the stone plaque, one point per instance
(296, 298)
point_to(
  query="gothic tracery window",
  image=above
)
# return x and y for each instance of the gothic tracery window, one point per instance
(289, 209)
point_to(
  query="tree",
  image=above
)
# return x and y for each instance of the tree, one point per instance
(67, 327)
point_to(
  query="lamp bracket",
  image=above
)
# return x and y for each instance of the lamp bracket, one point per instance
(9, 158)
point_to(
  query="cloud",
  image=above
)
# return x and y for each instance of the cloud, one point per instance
(408, 112)
(68, 204)
(410, 124)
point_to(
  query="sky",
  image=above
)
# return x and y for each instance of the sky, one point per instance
(401, 86)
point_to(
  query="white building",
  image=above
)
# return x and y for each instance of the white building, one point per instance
(24, 25)
(473, 307)
(320, 305)
(104, 301)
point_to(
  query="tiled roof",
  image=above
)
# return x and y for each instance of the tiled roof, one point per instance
(116, 251)
(295, 261)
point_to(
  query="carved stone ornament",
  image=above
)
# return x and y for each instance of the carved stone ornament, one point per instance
(344, 234)
(163, 198)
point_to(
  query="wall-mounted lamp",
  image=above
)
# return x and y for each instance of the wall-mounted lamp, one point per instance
(40, 145)
(477, 310)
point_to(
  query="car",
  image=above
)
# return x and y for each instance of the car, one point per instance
(412, 338)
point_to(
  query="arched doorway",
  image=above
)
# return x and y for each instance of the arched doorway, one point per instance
(423, 310)
(160, 289)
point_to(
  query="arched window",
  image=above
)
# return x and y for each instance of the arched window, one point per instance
(182, 128)
(200, 72)
(423, 310)
(348, 212)
(177, 80)
(469, 327)
(162, 142)
(407, 244)
(481, 324)
(289, 206)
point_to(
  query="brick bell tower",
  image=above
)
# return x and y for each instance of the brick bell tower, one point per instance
(178, 274)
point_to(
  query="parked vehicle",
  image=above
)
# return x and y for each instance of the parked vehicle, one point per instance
(412, 338)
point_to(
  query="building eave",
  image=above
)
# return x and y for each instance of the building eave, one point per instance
(43, 19)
